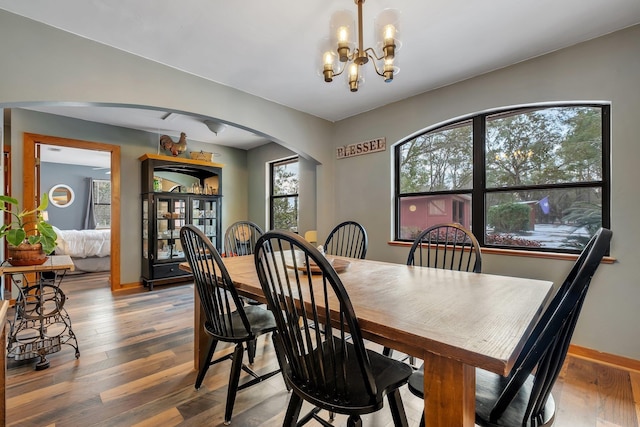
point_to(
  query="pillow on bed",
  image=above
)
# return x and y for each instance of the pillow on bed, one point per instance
(61, 244)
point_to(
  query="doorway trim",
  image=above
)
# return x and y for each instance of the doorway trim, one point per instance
(31, 187)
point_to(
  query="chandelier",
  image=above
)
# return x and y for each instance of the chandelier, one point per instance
(350, 57)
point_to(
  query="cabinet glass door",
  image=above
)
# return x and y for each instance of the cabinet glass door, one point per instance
(170, 217)
(145, 228)
(205, 212)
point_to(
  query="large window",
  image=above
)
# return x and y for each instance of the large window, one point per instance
(284, 195)
(102, 202)
(529, 178)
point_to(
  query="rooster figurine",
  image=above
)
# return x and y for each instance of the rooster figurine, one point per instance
(175, 147)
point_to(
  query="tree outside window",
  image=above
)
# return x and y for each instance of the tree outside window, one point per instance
(284, 194)
(102, 202)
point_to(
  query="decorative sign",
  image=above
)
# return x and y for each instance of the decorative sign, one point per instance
(360, 148)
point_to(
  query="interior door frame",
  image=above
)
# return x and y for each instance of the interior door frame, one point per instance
(31, 186)
(6, 152)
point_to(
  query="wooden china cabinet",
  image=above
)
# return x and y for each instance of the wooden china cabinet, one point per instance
(175, 192)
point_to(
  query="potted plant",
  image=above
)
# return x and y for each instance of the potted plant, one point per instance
(29, 237)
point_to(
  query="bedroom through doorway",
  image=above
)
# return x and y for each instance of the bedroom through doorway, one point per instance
(82, 181)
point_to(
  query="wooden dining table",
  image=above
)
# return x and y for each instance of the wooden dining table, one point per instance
(454, 321)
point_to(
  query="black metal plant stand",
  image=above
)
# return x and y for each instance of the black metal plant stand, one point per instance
(41, 324)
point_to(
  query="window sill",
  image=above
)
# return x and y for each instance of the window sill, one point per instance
(520, 253)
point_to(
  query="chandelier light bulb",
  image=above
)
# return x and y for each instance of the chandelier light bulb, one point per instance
(328, 66)
(353, 77)
(389, 32)
(388, 70)
(343, 35)
(343, 44)
(328, 58)
(389, 40)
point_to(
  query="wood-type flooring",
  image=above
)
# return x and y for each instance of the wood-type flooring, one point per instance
(136, 369)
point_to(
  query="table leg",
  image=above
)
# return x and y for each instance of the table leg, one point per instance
(450, 388)
(200, 337)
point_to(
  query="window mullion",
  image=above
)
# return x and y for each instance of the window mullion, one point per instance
(606, 166)
(479, 178)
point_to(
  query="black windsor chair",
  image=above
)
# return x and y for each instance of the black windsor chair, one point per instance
(524, 397)
(240, 238)
(321, 365)
(348, 239)
(227, 319)
(445, 246)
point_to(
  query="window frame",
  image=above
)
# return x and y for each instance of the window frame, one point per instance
(273, 197)
(480, 191)
(96, 182)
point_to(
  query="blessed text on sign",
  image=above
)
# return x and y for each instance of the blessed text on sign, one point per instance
(360, 148)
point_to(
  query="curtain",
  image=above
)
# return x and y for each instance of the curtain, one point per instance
(90, 218)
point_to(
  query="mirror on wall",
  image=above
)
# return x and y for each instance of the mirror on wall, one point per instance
(61, 195)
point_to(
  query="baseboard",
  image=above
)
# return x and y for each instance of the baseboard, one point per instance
(129, 286)
(605, 358)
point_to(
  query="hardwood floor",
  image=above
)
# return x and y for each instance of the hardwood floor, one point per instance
(136, 369)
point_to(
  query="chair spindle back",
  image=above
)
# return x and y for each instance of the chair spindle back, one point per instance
(218, 296)
(316, 358)
(348, 239)
(446, 246)
(240, 238)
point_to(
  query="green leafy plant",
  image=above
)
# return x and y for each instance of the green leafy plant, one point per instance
(27, 225)
(584, 214)
(509, 217)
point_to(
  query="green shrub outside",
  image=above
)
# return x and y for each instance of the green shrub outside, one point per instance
(509, 217)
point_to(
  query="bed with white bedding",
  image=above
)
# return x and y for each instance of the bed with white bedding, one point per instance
(90, 250)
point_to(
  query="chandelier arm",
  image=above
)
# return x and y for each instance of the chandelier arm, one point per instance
(353, 55)
(374, 58)
(344, 67)
(372, 54)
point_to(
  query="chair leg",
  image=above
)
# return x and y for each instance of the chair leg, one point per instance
(234, 378)
(293, 411)
(251, 350)
(205, 366)
(354, 421)
(397, 409)
(387, 351)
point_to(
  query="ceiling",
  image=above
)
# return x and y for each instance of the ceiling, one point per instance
(99, 160)
(271, 49)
